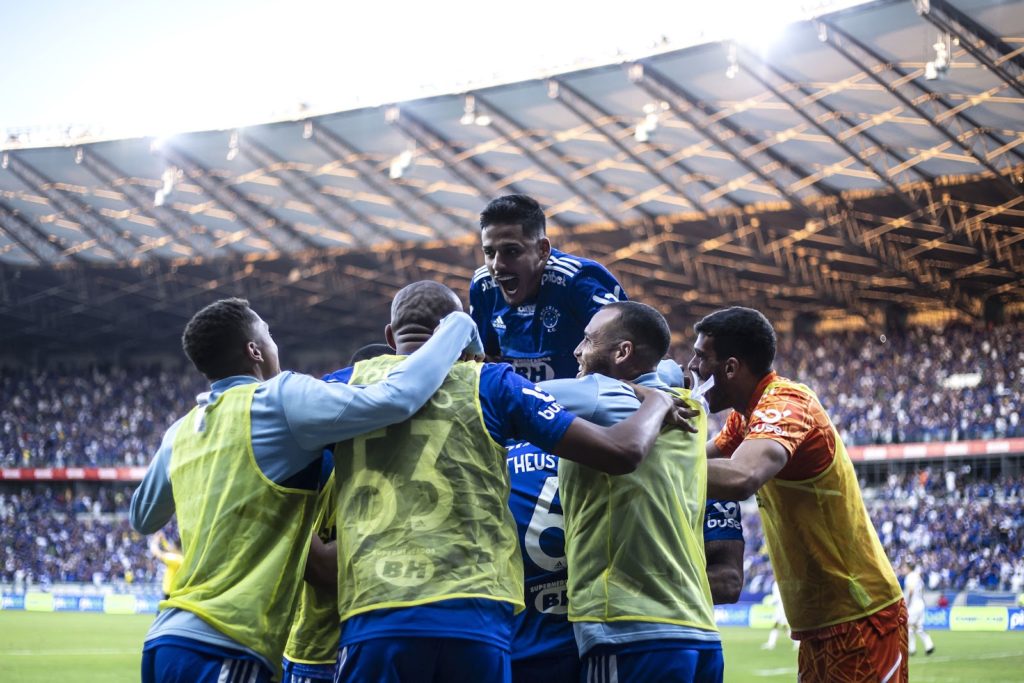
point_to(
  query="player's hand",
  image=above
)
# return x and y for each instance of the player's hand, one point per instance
(679, 414)
(474, 347)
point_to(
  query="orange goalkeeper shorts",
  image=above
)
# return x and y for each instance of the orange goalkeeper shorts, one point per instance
(872, 648)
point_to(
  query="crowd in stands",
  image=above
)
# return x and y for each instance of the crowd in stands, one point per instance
(50, 535)
(923, 385)
(954, 384)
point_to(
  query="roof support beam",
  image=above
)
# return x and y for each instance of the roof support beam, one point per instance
(26, 235)
(168, 221)
(514, 133)
(594, 116)
(987, 48)
(804, 110)
(104, 233)
(855, 52)
(704, 119)
(333, 211)
(404, 197)
(433, 143)
(283, 236)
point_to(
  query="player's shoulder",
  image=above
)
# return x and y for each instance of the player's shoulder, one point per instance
(573, 266)
(481, 275)
(781, 391)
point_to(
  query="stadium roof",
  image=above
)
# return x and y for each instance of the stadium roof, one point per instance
(874, 156)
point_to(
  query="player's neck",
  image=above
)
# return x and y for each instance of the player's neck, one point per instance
(409, 343)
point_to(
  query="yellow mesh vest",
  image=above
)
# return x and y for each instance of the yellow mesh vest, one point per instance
(827, 558)
(314, 634)
(635, 543)
(425, 505)
(244, 538)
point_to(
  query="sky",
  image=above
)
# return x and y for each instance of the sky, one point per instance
(129, 68)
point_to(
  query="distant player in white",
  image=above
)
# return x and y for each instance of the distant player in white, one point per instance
(780, 622)
(913, 590)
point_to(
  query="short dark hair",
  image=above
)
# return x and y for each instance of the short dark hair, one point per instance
(422, 304)
(215, 338)
(371, 351)
(645, 327)
(742, 333)
(515, 209)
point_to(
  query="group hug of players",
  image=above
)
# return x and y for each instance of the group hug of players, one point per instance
(558, 514)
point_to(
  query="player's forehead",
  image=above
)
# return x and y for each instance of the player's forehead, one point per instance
(601, 322)
(504, 235)
(704, 346)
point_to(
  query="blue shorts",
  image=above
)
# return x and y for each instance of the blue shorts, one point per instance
(294, 672)
(557, 668)
(179, 660)
(423, 660)
(608, 664)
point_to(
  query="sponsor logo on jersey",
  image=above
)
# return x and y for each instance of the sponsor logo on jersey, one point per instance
(498, 323)
(768, 418)
(551, 598)
(549, 318)
(405, 569)
(526, 310)
(554, 279)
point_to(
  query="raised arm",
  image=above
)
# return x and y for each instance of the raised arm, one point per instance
(321, 413)
(153, 501)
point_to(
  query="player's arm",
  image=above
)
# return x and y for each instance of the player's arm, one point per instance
(751, 465)
(152, 503)
(621, 448)
(326, 412)
(322, 563)
(725, 570)
(713, 450)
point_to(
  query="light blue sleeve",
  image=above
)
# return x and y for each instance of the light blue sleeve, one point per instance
(321, 413)
(153, 501)
(596, 398)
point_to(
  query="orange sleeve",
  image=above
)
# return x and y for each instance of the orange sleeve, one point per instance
(782, 416)
(731, 436)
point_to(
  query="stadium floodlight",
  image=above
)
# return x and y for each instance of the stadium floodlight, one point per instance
(4, 160)
(399, 164)
(78, 155)
(468, 111)
(940, 65)
(232, 145)
(307, 130)
(734, 65)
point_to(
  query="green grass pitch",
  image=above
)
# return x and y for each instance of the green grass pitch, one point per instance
(95, 648)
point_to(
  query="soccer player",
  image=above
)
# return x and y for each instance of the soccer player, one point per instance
(240, 470)
(312, 648)
(913, 589)
(165, 550)
(839, 590)
(429, 568)
(531, 302)
(638, 591)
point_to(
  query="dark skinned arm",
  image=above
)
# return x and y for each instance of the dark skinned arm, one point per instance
(322, 564)
(739, 477)
(621, 448)
(725, 570)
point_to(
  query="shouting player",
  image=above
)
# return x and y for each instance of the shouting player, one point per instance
(531, 302)
(838, 587)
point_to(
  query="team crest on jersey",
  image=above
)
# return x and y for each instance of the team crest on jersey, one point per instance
(549, 318)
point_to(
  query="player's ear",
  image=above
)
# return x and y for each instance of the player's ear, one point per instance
(544, 245)
(624, 352)
(389, 336)
(252, 351)
(732, 367)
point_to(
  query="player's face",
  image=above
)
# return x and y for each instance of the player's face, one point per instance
(596, 353)
(271, 364)
(516, 262)
(704, 364)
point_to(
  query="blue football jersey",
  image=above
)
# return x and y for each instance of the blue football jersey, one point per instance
(543, 628)
(722, 521)
(539, 337)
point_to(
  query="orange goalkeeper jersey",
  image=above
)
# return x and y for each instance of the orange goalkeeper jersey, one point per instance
(827, 558)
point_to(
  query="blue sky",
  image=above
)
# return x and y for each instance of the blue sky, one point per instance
(152, 68)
